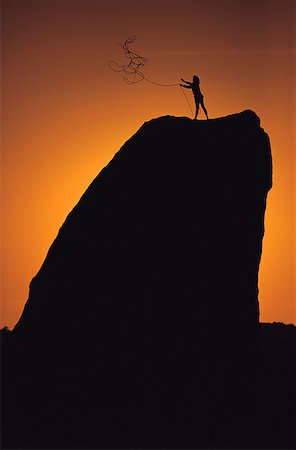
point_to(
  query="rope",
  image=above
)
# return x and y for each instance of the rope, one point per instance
(183, 92)
(175, 84)
(160, 84)
(132, 69)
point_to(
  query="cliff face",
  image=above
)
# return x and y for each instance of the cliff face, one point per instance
(167, 237)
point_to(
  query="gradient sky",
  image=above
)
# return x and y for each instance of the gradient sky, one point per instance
(65, 113)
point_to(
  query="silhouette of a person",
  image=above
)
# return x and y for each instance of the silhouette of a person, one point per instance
(198, 97)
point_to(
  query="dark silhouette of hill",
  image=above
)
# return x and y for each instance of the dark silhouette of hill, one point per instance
(142, 326)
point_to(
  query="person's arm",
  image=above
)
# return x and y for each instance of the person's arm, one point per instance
(184, 81)
(185, 86)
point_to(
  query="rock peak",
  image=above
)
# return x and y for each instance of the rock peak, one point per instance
(172, 227)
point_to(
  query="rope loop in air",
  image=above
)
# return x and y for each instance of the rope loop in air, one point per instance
(133, 70)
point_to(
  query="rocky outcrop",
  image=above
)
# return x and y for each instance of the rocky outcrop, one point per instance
(169, 233)
(140, 327)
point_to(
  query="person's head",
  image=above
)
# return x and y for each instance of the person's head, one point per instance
(195, 79)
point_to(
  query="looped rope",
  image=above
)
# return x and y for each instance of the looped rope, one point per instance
(132, 69)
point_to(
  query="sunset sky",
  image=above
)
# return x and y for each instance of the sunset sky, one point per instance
(65, 113)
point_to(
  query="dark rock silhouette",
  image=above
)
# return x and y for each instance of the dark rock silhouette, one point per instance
(169, 231)
(142, 325)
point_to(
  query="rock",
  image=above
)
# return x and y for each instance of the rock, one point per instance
(167, 236)
(142, 325)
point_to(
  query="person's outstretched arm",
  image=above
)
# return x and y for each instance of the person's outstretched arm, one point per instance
(184, 81)
(185, 86)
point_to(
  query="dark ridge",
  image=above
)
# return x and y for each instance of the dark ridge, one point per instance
(142, 325)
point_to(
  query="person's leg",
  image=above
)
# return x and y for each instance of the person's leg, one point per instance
(196, 111)
(204, 109)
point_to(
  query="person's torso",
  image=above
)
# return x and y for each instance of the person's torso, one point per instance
(196, 92)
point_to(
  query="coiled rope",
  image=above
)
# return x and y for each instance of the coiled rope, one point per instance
(133, 68)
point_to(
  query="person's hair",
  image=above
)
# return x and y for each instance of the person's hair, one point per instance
(195, 78)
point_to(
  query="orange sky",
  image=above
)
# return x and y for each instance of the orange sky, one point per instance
(65, 114)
